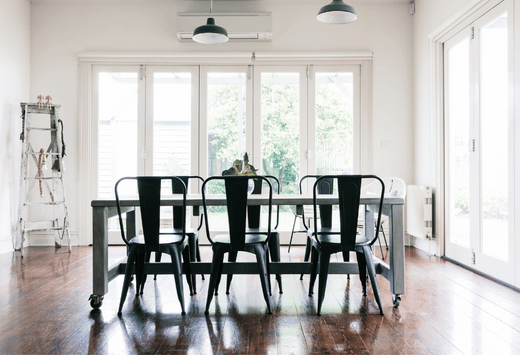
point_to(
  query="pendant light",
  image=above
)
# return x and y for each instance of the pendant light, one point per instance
(210, 33)
(337, 12)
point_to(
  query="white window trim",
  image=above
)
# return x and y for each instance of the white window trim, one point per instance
(88, 59)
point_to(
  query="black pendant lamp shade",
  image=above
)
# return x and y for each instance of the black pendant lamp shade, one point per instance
(337, 12)
(210, 33)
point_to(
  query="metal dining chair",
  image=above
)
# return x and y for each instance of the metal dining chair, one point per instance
(253, 219)
(325, 187)
(307, 212)
(153, 239)
(238, 238)
(327, 239)
(191, 233)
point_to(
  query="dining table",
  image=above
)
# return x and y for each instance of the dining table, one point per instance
(393, 271)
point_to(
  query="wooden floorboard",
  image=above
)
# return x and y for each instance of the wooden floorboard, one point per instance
(44, 309)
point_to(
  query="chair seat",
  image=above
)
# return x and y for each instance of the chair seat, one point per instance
(250, 238)
(332, 236)
(163, 239)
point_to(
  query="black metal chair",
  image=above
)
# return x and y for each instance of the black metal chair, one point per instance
(327, 240)
(307, 212)
(325, 187)
(153, 240)
(239, 239)
(191, 233)
(253, 219)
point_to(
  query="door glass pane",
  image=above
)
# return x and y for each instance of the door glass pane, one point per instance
(226, 132)
(458, 114)
(281, 128)
(226, 120)
(494, 137)
(334, 123)
(117, 130)
(172, 123)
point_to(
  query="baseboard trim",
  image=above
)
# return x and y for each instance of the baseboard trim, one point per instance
(480, 273)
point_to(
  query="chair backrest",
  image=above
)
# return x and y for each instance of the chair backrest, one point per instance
(178, 220)
(349, 193)
(325, 187)
(253, 212)
(236, 202)
(149, 190)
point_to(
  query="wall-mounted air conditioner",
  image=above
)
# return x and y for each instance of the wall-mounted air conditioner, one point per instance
(240, 27)
(419, 216)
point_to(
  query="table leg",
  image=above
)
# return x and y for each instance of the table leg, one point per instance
(100, 255)
(396, 236)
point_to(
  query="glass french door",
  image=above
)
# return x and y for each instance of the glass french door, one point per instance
(479, 142)
(306, 121)
(292, 120)
(145, 119)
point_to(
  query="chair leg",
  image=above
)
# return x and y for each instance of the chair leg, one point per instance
(324, 273)
(139, 266)
(146, 258)
(219, 276)
(372, 273)
(177, 274)
(261, 252)
(232, 257)
(268, 272)
(314, 269)
(274, 251)
(187, 270)
(198, 256)
(307, 253)
(362, 266)
(157, 260)
(346, 258)
(292, 233)
(381, 249)
(192, 243)
(218, 259)
(128, 275)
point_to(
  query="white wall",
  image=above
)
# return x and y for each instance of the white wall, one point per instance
(429, 17)
(60, 30)
(14, 88)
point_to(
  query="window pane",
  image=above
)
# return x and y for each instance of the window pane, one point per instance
(172, 123)
(494, 137)
(458, 126)
(117, 130)
(334, 123)
(226, 120)
(281, 128)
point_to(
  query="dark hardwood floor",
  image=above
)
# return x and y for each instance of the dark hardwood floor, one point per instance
(446, 310)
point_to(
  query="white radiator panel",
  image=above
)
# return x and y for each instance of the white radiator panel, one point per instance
(419, 211)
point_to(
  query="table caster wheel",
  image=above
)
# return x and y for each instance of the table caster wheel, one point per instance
(396, 300)
(96, 301)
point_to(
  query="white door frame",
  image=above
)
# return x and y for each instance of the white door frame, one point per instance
(464, 17)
